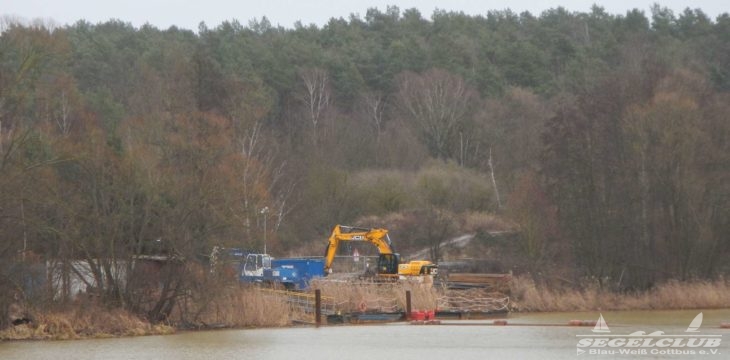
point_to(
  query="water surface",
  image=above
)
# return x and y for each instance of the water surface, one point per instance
(457, 340)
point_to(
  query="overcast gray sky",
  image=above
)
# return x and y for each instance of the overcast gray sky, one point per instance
(188, 14)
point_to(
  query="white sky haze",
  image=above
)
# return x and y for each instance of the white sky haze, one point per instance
(188, 14)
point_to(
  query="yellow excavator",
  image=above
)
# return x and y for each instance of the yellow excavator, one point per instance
(388, 261)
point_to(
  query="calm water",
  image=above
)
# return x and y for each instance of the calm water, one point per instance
(464, 340)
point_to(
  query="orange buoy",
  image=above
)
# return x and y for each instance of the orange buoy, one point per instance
(499, 322)
(582, 323)
(362, 306)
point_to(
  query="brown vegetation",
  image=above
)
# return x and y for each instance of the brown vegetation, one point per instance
(369, 295)
(234, 307)
(237, 307)
(244, 307)
(83, 321)
(672, 295)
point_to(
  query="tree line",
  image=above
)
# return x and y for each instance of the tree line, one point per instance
(603, 138)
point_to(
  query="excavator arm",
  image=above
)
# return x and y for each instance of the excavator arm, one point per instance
(388, 261)
(378, 237)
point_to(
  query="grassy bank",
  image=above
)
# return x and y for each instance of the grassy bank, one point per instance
(234, 307)
(80, 322)
(672, 295)
(231, 307)
(244, 307)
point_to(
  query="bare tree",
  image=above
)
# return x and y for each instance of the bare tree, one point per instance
(371, 111)
(437, 227)
(62, 117)
(494, 181)
(261, 167)
(316, 96)
(438, 103)
(373, 106)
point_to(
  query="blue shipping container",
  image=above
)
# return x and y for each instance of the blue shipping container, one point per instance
(296, 272)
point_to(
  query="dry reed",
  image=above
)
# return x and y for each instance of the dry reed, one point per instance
(252, 307)
(83, 322)
(378, 296)
(529, 297)
(234, 307)
(245, 307)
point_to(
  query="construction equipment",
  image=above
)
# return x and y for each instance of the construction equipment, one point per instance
(291, 273)
(388, 261)
(258, 268)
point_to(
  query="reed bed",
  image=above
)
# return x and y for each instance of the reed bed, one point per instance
(83, 322)
(378, 296)
(245, 307)
(234, 307)
(672, 295)
(237, 306)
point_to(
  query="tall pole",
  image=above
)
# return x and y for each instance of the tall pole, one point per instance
(408, 304)
(318, 307)
(263, 212)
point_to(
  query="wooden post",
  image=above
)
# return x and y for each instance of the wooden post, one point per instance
(318, 307)
(408, 304)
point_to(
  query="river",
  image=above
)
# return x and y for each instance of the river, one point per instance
(525, 337)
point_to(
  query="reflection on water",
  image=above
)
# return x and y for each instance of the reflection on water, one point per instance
(467, 340)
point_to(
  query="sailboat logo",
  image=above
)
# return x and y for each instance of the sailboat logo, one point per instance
(694, 326)
(601, 326)
(639, 342)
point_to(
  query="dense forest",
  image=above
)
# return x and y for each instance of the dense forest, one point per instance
(600, 139)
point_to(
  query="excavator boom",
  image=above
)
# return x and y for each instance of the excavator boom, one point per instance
(388, 260)
(377, 237)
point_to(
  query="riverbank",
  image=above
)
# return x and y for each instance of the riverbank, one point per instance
(241, 307)
(232, 307)
(83, 322)
(672, 295)
(523, 338)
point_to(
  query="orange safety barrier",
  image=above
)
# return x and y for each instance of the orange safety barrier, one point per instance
(582, 323)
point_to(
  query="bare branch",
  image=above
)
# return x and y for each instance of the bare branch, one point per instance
(316, 96)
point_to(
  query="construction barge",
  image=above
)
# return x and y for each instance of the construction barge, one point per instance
(351, 301)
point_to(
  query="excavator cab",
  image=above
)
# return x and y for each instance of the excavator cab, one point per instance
(388, 263)
(255, 265)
